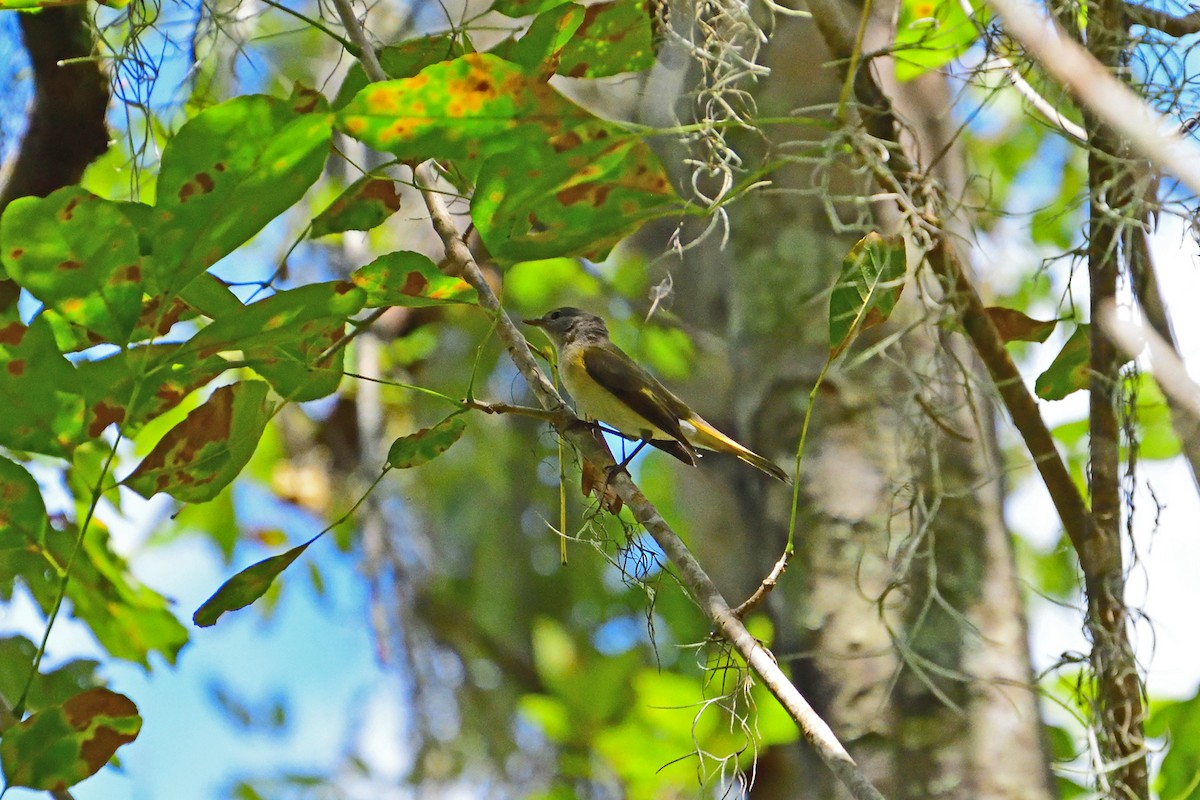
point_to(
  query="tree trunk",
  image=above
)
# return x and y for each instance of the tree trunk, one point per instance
(900, 614)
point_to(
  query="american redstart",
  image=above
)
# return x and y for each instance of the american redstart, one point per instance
(609, 386)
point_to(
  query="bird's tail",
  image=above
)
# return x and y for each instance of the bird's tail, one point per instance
(702, 434)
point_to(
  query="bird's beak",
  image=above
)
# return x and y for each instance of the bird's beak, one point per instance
(539, 322)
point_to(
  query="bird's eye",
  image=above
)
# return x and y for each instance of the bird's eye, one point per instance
(555, 314)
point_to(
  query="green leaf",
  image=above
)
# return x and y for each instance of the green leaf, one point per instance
(553, 179)
(247, 586)
(211, 296)
(538, 285)
(282, 337)
(1156, 434)
(228, 172)
(39, 391)
(1069, 371)
(38, 5)
(79, 255)
(1178, 723)
(930, 34)
(205, 452)
(405, 59)
(550, 714)
(365, 204)
(615, 37)
(525, 8)
(426, 444)
(48, 688)
(539, 50)
(870, 283)
(296, 370)
(60, 746)
(405, 278)
(22, 510)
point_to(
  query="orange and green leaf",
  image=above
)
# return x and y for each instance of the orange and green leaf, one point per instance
(204, 453)
(59, 746)
(405, 278)
(553, 179)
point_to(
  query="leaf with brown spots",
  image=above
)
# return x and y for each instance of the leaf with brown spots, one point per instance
(40, 392)
(553, 178)
(283, 336)
(582, 198)
(204, 453)
(870, 283)
(79, 255)
(410, 279)
(247, 586)
(426, 444)
(540, 48)
(615, 37)
(60, 746)
(365, 204)
(22, 511)
(154, 377)
(465, 110)
(228, 172)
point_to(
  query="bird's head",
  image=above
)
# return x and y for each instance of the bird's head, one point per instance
(566, 324)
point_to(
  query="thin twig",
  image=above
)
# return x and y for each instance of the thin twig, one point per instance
(764, 588)
(505, 408)
(359, 326)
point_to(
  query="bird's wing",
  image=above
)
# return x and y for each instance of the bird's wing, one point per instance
(639, 390)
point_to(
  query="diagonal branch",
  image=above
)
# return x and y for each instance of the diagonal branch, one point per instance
(460, 260)
(1167, 363)
(1164, 21)
(1113, 103)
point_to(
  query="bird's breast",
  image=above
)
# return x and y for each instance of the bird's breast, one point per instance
(596, 402)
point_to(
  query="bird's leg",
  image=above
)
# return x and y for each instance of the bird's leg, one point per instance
(615, 468)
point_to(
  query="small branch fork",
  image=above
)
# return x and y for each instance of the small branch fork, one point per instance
(460, 261)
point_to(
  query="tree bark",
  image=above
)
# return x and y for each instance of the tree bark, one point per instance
(900, 615)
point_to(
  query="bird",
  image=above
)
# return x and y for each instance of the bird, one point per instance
(610, 387)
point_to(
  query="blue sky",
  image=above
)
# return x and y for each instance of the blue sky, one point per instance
(315, 651)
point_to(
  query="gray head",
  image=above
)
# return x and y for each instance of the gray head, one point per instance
(567, 324)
